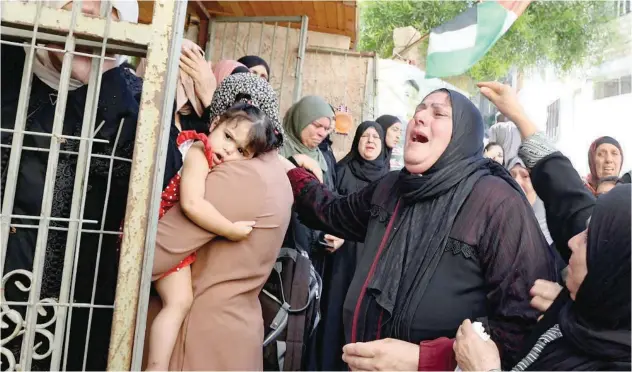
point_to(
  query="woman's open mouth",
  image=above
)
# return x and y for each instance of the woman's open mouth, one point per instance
(419, 138)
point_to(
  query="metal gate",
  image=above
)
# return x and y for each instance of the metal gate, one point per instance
(36, 331)
(235, 37)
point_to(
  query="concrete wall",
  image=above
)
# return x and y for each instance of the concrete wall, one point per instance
(340, 79)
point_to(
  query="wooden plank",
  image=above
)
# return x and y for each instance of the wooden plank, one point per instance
(295, 8)
(223, 6)
(307, 8)
(350, 15)
(247, 8)
(214, 7)
(340, 12)
(259, 8)
(315, 19)
(280, 8)
(332, 17)
(232, 7)
(331, 9)
(321, 14)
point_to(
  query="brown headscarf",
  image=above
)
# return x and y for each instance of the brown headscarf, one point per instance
(592, 180)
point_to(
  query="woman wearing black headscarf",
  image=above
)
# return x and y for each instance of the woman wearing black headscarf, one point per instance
(256, 65)
(392, 127)
(449, 237)
(365, 163)
(587, 326)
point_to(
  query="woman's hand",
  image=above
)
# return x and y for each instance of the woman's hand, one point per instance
(333, 242)
(472, 353)
(240, 230)
(193, 63)
(544, 293)
(382, 355)
(506, 100)
(287, 165)
(503, 97)
(309, 164)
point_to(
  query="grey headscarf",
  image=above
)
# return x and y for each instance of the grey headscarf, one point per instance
(299, 116)
(508, 137)
(538, 205)
(249, 88)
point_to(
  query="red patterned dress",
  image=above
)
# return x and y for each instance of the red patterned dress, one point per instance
(171, 194)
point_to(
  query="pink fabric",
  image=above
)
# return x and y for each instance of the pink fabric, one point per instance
(224, 68)
(185, 90)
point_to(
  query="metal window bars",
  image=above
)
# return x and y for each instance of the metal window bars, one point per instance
(36, 331)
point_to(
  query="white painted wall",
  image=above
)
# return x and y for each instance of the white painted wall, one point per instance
(583, 119)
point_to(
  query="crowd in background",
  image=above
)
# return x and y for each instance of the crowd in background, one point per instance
(506, 234)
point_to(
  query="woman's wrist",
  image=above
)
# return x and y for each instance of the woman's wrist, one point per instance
(524, 124)
(206, 99)
(535, 148)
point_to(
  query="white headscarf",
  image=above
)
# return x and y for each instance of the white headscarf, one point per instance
(44, 69)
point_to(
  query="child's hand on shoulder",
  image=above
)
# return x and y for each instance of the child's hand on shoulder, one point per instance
(240, 230)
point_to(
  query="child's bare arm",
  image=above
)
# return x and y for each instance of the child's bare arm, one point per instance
(200, 210)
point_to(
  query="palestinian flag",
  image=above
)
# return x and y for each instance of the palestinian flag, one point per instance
(457, 45)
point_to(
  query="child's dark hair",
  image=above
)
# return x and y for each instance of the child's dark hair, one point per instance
(240, 70)
(492, 144)
(263, 136)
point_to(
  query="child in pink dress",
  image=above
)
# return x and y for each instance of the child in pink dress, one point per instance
(241, 133)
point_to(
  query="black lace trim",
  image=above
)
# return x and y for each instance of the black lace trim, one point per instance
(458, 247)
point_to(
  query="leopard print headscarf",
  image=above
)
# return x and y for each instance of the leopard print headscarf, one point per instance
(258, 92)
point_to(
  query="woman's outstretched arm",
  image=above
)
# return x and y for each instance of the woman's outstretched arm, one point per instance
(318, 208)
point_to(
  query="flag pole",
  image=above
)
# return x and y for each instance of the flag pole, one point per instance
(411, 45)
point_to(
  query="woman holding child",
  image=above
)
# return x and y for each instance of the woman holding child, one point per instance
(215, 310)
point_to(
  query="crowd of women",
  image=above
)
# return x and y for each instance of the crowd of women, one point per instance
(508, 235)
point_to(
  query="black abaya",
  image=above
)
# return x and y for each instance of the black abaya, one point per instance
(352, 175)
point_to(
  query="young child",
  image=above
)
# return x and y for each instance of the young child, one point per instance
(241, 133)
